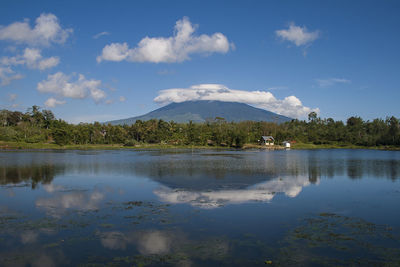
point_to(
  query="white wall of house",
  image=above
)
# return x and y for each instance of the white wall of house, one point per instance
(286, 144)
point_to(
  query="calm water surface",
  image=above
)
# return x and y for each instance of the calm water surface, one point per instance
(199, 208)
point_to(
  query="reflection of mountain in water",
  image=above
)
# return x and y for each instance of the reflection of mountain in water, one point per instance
(263, 192)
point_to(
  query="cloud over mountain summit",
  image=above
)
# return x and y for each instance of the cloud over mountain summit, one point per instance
(290, 106)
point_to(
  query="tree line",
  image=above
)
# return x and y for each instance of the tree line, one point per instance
(41, 126)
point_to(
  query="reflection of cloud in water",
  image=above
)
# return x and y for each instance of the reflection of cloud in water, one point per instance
(154, 242)
(147, 242)
(10, 192)
(33, 256)
(290, 186)
(51, 188)
(44, 261)
(159, 242)
(79, 200)
(114, 240)
(29, 237)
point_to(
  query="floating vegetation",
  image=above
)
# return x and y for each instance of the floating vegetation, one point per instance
(175, 259)
(133, 203)
(331, 239)
(106, 225)
(51, 245)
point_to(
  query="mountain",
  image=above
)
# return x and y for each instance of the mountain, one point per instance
(200, 111)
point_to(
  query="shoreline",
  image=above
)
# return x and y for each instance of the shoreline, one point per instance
(4, 146)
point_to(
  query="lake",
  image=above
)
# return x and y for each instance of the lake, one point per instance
(200, 208)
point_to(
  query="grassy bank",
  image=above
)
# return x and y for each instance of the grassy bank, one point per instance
(338, 146)
(22, 145)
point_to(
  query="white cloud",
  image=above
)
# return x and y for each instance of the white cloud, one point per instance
(176, 48)
(32, 58)
(95, 93)
(331, 81)
(114, 52)
(100, 34)
(7, 75)
(47, 30)
(48, 63)
(300, 36)
(61, 85)
(52, 102)
(290, 106)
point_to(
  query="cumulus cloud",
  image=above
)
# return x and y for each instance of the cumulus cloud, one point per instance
(176, 48)
(331, 81)
(52, 102)
(47, 30)
(32, 58)
(290, 106)
(97, 36)
(7, 75)
(61, 85)
(48, 63)
(300, 36)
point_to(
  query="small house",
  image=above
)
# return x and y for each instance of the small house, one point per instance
(286, 144)
(267, 140)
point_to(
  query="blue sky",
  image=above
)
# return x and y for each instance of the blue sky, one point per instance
(91, 61)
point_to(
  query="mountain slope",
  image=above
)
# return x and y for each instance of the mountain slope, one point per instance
(200, 111)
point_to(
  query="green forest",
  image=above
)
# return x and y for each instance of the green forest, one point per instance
(41, 126)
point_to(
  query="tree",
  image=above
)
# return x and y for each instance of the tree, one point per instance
(393, 130)
(312, 116)
(48, 117)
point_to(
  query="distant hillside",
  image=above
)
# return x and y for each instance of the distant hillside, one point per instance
(200, 111)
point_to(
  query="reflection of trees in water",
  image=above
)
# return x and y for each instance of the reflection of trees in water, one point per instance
(357, 169)
(271, 165)
(198, 168)
(33, 174)
(239, 167)
(353, 168)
